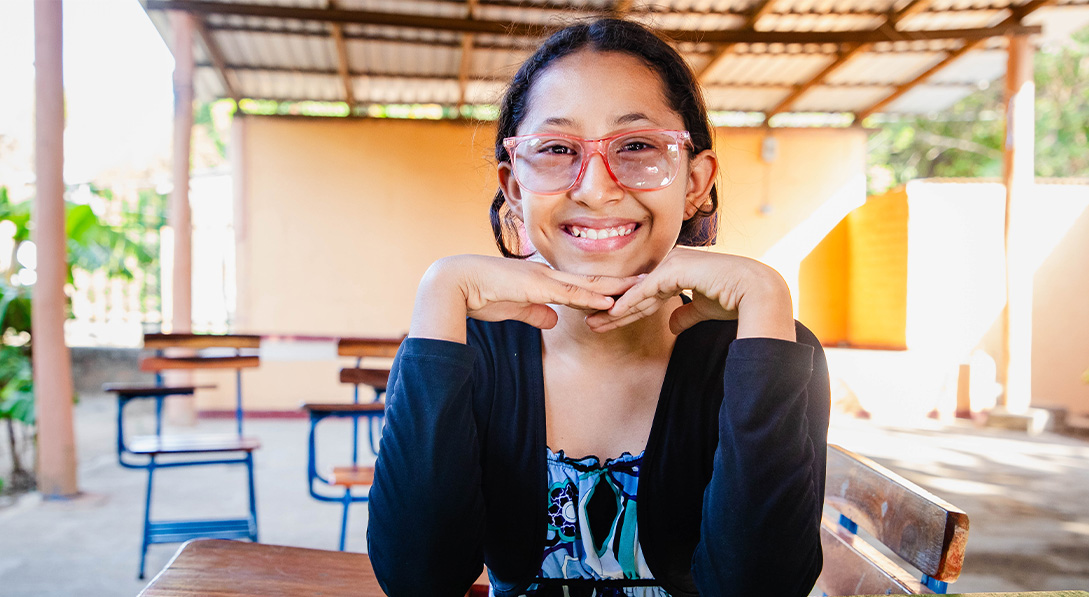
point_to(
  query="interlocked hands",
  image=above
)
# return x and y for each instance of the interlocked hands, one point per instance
(494, 289)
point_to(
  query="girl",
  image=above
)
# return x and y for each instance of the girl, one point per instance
(617, 414)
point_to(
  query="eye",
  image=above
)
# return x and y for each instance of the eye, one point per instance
(555, 147)
(634, 144)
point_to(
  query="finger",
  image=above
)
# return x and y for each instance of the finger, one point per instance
(605, 321)
(538, 316)
(606, 285)
(653, 289)
(573, 295)
(684, 317)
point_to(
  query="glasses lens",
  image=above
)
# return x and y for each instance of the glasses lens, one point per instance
(645, 161)
(547, 164)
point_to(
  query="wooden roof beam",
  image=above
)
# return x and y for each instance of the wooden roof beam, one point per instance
(1012, 23)
(763, 7)
(230, 88)
(336, 31)
(888, 25)
(464, 69)
(801, 90)
(505, 28)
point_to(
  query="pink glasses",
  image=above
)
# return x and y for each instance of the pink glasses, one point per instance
(644, 160)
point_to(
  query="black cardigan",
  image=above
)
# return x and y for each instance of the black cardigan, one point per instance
(729, 498)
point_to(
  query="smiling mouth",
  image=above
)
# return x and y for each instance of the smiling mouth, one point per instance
(600, 233)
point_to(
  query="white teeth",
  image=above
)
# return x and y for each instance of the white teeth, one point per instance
(596, 233)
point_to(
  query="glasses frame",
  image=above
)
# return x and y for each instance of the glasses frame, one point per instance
(589, 147)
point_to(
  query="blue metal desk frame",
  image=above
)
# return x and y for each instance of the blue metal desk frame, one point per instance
(374, 430)
(177, 531)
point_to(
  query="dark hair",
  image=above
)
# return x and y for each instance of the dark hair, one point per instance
(682, 92)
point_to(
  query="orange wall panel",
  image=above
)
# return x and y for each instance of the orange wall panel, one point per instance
(877, 288)
(823, 281)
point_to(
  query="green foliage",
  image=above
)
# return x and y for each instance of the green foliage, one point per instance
(967, 139)
(1062, 120)
(203, 117)
(16, 385)
(92, 246)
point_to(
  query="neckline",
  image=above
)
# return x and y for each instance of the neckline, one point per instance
(593, 461)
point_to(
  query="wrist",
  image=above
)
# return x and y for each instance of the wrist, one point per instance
(440, 310)
(766, 309)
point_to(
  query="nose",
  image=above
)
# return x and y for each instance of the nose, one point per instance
(597, 185)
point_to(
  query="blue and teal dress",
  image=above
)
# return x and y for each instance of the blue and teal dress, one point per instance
(592, 547)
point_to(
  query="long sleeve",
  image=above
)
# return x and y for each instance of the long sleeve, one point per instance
(426, 530)
(760, 530)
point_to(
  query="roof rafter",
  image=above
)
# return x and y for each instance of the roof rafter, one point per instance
(889, 24)
(336, 30)
(466, 62)
(464, 68)
(1012, 21)
(763, 7)
(202, 7)
(216, 56)
(503, 80)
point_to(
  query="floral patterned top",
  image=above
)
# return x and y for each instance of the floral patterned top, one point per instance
(593, 540)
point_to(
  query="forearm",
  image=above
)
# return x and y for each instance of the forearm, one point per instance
(425, 534)
(761, 512)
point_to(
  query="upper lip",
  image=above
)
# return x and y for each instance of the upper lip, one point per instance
(598, 223)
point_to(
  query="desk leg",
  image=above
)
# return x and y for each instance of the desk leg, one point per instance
(253, 498)
(147, 517)
(344, 516)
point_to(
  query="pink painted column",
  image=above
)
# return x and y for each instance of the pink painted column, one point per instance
(182, 410)
(52, 367)
(180, 219)
(1019, 177)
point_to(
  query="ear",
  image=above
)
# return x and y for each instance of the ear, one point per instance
(702, 172)
(510, 188)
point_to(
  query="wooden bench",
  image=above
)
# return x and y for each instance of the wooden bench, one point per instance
(919, 528)
(350, 483)
(170, 450)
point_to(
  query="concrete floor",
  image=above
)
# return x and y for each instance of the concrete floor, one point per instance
(1027, 499)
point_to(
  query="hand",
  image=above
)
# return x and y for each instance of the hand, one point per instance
(496, 289)
(723, 287)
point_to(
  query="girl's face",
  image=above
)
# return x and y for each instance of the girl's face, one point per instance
(593, 95)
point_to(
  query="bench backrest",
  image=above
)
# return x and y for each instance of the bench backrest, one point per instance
(925, 531)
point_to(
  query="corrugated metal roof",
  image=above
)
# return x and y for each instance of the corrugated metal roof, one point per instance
(412, 51)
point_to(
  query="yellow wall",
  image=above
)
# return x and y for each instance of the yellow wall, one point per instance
(854, 283)
(338, 219)
(824, 280)
(878, 282)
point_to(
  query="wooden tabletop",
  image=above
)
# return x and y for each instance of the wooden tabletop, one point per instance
(220, 568)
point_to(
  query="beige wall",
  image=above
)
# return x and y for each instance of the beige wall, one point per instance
(956, 280)
(338, 219)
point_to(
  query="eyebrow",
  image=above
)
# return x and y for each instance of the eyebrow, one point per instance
(625, 119)
(633, 117)
(559, 121)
